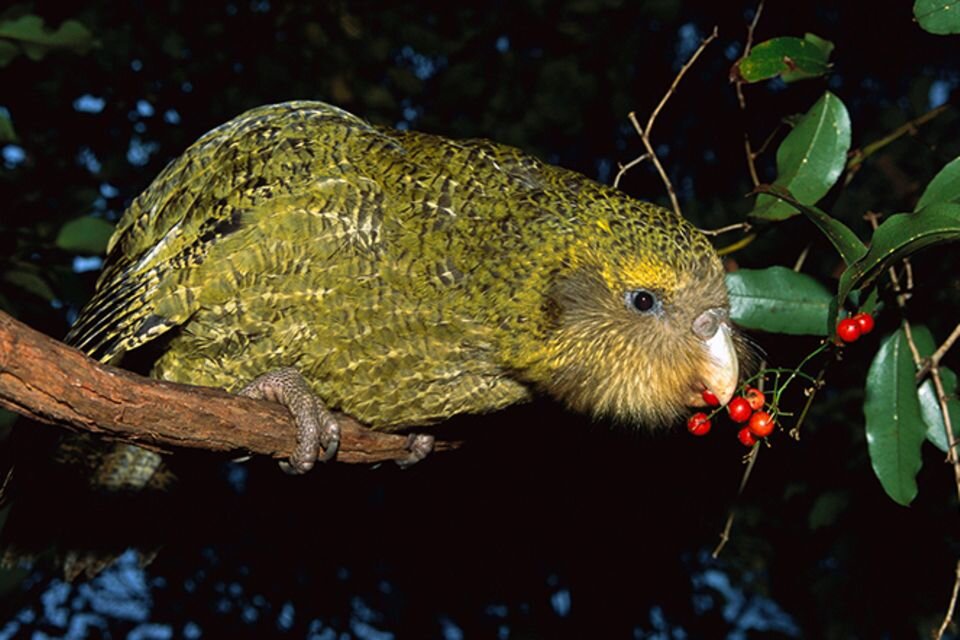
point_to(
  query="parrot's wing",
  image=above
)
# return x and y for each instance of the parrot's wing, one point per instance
(234, 175)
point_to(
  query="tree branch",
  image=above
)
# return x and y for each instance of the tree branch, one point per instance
(50, 382)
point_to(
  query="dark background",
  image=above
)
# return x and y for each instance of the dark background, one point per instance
(545, 525)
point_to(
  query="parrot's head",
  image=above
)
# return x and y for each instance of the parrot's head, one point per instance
(638, 319)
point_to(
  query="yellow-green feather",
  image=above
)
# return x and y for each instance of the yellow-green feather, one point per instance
(408, 277)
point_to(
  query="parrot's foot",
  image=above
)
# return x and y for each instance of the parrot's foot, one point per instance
(316, 425)
(419, 445)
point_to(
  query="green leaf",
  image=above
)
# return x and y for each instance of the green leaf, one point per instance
(895, 426)
(945, 186)
(923, 340)
(827, 508)
(810, 159)
(8, 51)
(868, 300)
(791, 58)
(85, 235)
(898, 236)
(846, 242)
(779, 300)
(7, 418)
(7, 134)
(933, 416)
(30, 282)
(929, 403)
(35, 40)
(941, 17)
(823, 44)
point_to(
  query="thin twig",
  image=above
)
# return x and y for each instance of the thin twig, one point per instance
(937, 356)
(626, 167)
(644, 133)
(811, 393)
(947, 425)
(747, 146)
(745, 226)
(769, 140)
(859, 155)
(801, 258)
(904, 293)
(645, 139)
(736, 246)
(751, 159)
(725, 534)
(755, 451)
(680, 74)
(948, 619)
(746, 49)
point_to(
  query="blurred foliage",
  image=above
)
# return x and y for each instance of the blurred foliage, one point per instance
(541, 509)
(28, 35)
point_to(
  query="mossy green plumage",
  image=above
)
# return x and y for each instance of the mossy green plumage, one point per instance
(408, 277)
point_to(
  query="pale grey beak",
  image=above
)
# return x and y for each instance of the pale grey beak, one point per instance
(722, 373)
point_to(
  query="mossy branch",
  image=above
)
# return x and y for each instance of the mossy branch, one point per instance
(50, 382)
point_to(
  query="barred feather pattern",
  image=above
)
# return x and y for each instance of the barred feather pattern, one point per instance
(407, 276)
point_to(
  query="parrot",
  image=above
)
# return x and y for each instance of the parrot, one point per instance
(301, 254)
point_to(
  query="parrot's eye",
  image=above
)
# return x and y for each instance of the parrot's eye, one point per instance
(642, 300)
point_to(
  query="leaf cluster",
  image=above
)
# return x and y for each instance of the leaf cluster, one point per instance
(900, 411)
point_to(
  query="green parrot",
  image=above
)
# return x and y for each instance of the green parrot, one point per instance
(301, 254)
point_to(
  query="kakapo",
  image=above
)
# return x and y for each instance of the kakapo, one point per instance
(300, 253)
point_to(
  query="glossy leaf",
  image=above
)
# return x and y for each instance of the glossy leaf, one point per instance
(923, 340)
(941, 17)
(898, 236)
(895, 426)
(867, 300)
(810, 159)
(788, 57)
(945, 186)
(936, 431)
(779, 300)
(85, 235)
(846, 242)
(929, 403)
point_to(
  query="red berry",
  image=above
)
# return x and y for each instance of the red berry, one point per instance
(739, 409)
(699, 424)
(710, 398)
(755, 398)
(746, 438)
(848, 330)
(865, 322)
(761, 424)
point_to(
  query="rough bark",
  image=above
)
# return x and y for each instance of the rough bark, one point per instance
(50, 382)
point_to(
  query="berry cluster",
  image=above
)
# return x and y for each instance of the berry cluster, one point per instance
(849, 329)
(746, 408)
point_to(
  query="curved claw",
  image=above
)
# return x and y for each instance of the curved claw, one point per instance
(419, 445)
(329, 437)
(316, 425)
